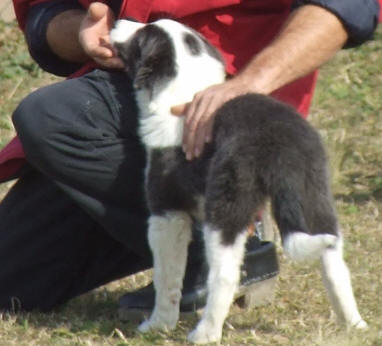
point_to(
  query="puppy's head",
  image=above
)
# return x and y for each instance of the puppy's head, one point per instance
(147, 52)
(157, 53)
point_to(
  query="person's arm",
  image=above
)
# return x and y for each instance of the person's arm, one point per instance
(80, 36)
(359, 17)
(61, 36)
(38, 18)
(310, 37)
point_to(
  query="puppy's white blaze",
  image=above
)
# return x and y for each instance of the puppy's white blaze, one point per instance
(158, 127)
(300, 246)
(123, 30)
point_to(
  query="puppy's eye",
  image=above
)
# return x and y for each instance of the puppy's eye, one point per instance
(192, 44)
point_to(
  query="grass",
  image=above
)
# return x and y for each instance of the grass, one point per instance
(348, 112)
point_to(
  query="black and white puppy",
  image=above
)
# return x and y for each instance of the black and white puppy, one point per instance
(261, 149)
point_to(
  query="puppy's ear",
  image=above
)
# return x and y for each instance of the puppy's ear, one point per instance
(143, 77)
(157, 57)
(149, 56)
(123, 39)
(131, 55)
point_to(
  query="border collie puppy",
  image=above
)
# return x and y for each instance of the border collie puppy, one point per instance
(261, 149)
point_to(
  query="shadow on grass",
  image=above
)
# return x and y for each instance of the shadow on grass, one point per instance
(92, 313)
(94, 316)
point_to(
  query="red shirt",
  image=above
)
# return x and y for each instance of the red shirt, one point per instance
(239, 29)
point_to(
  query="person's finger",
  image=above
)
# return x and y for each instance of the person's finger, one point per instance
(99, 52)
(196, 128)
(204, 128)
(116, 63)
(199, 140)
(214, 106)
(190, 112)
(113, 63)
(179, 110)
(209, 129)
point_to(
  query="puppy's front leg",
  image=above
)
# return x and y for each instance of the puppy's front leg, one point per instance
(169, 236)
(223, 278)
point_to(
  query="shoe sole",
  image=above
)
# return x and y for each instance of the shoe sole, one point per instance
(249, 296)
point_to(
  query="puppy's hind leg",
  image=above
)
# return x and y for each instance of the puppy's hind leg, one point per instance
(169, 236)
(223, 278)
(336, 277)
(319, 212)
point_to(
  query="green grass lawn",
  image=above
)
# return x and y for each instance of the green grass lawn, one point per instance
(347, 110)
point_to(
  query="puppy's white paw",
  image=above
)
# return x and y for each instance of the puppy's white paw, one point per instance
(155, 324)
(361, 325)
(145, 326)
(203, 335)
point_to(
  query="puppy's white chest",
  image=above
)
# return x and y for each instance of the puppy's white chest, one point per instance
(158, 128)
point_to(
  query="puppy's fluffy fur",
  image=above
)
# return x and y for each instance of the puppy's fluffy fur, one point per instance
(261, 149)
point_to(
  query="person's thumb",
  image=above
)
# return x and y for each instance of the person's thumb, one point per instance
(97, 10)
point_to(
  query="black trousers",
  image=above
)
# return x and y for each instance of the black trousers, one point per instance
(76, 218)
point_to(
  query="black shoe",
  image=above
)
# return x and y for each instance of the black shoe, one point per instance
(258, 278)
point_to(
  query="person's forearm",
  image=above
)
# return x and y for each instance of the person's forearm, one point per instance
(62, 36)
(310, 37)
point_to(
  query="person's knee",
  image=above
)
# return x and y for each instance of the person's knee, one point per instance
(32, 124)
(27, 119)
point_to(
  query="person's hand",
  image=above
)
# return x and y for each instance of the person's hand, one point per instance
(200, 113)
(94, 36)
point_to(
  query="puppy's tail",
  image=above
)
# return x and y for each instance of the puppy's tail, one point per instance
(291, 214)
